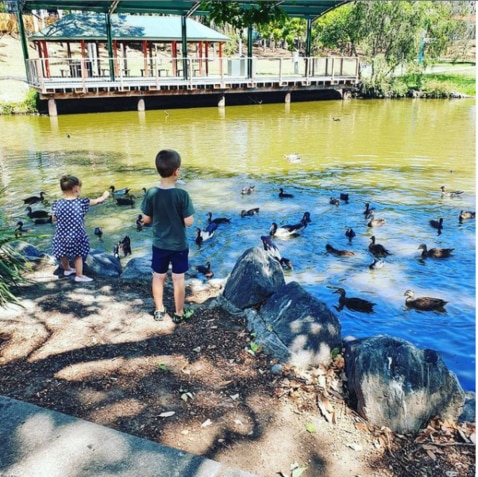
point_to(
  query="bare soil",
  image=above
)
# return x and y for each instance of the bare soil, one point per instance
(94, 351)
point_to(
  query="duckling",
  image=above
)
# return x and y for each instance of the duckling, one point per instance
(373, 222)
(377, 249)
(377, 264)
(437, 224)
(423, 303)
(205, 270)
(36, 214)
(284, 195)
(219, 220)
(285, 231)
(140, 223)
(334, 201)
(117, 192)
(99, 233)
(357, 304)
(20, 230)
(206, 234)
(34, 199)
(273, 250)
(248, 190)
(345, 197)
(465, 215)
(435, 252)
(43, 220)
(245, 213)
(368, 209)
(451, 194)
(350, 233)
(122, 247)
(339, 253)
(125, 200)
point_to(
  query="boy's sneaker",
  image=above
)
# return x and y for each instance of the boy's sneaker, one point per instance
(67, 273)
(159, 315)
(187, 313)
(83, 278)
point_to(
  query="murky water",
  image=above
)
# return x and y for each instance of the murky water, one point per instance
(393, 154)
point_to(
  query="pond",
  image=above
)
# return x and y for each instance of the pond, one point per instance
(394, 155)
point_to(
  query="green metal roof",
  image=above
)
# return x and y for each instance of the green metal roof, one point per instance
(293, 8)
(92, 26)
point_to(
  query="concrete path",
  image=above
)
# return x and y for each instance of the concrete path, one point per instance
(37, 442)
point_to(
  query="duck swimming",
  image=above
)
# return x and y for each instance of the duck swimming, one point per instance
(435, 252)
(334, 201)
(465, 215)
(205, 270)
(377, 250)
(99, 233)
(21, 229)
(206, 234)
(356, 304)
(285, 231)
(125, 200)
(35, 199)
(423, 303)
(246, 213)
(349, 233)
(377, 264)
(36, 214)
(345, 197)
(368, 209)
(284, 195)
(451, 194)
(219, 220)
(116, 192)
(248, 190)
(373, 222)
(338, 253)
(43, 220)
(437, 224)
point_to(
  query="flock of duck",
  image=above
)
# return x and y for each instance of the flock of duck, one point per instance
(285, 231)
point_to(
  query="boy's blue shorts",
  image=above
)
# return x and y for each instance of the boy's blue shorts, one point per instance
(162, 258)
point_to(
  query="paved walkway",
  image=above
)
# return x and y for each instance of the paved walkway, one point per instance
(36, 442)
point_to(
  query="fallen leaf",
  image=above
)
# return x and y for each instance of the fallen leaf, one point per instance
(310, 428)
(167, 414)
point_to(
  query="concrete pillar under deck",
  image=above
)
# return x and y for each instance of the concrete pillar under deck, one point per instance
(141, 105)
(52, 111)
(287, 98)
(222, 102)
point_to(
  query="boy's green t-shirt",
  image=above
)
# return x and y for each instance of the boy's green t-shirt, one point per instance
(168, 208)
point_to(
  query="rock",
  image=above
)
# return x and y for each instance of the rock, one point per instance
(137, 270)
(297, 327)
(394, 384)
(255, 277)
(26, 250)
(469, 409)
(102, 264)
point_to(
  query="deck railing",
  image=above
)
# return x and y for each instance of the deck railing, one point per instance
(43, 73)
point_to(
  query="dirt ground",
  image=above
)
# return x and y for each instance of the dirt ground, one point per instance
(94, 351)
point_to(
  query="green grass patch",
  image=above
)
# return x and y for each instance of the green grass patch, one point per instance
(460, 83)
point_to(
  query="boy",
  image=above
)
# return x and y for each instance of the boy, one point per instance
(169, 210)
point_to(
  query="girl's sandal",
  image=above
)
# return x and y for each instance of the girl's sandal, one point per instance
(159, 315)
(188, 312)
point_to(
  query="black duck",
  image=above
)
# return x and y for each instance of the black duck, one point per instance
(424, 303)
(206, 234)
(377, 264)
(435, 252)
(437, 224)
(289, 230)
(273, 250)
(345, 197)
(118, 192)
(99, 233)
(129, 200)
(350, 233)
(43, 220)
(218, 220)
(337, 252)
(285, 195)
(247, 213)
(334, 201)
(368, 209)
(37, 214)
(205, 270)
(35, 199)
(357, 304)
(376, 249)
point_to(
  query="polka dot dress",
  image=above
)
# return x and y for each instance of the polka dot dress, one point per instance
(70, 239)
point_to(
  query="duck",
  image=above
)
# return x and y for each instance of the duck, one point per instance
(377, 249)
(35, 199)
(273, 250)
(356, 304)
(117, 192)
(373, 222)
(285, 231)
(206, 234)
(122, 247)
(437, 224)
(129, 200)
(423, 303)
(451, 194)
(344, 196)
(43, 220)
(248, 190)
(334, 201)
(246, 213)
(435, 252)
(140, 223)
(368, 209)
(21, 229)
(465, 215)
(293, 158)
(285, 195)
(36, 214)
(205, 270)
(219, 220)
(377, 264)
(98, 232)
(337, 252)
(350, 233)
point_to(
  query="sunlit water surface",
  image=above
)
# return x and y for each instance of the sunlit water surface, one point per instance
(393, 154)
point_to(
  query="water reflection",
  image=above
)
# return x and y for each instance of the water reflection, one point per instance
(393, 154)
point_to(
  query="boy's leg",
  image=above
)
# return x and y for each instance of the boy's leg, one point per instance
(157, 287)
(179, 287)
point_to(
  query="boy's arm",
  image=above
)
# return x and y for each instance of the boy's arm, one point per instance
(146, 219)
(188, 221)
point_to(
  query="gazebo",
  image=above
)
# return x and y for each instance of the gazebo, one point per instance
(92, 31)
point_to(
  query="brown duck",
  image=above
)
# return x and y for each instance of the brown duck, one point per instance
(435, 252)
(376, 249)
(423, 303)
(337, 252)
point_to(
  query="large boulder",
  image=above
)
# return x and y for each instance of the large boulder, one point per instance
(296, 327)
(255, 277)
(137, 270)
(102, 264)
(394, 384)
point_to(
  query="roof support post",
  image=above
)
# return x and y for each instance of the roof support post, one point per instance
(109, 44)
(249, 52)
(21, 30)
(184, 38)
(308, 45)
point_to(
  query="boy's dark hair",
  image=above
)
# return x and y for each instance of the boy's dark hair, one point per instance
(167, 161)
(68, 182)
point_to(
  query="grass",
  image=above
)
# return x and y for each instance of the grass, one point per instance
(461, 83)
